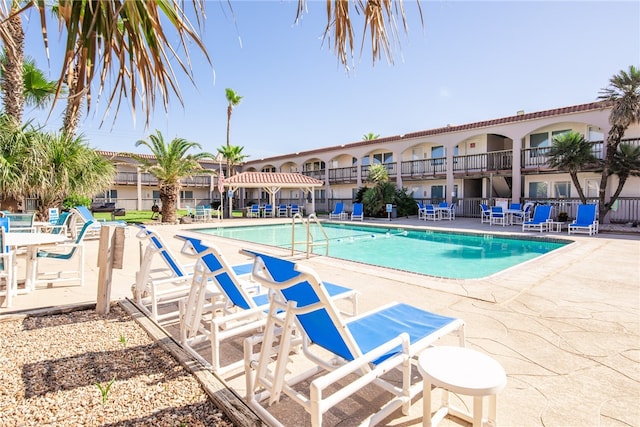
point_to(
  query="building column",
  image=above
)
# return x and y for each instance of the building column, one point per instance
(139, 188)
(449, 167)
(398, 169)
(516, 170)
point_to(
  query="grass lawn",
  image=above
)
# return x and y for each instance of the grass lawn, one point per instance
(144, 217)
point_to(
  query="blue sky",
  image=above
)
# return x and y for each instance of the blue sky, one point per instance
(471, 61)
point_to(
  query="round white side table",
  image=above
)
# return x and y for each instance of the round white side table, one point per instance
(463, 371)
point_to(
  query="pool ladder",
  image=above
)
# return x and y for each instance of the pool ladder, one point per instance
(309, 241)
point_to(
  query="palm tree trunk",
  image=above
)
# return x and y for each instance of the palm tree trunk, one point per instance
(613, 141)
(169, 199)
(12, 80)
(72, 111)
(576, 183)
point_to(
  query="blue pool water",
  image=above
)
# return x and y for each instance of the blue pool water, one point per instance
(455, 255)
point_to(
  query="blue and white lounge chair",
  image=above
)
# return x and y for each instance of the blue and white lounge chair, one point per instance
(485, 213)
(86, 216)
(163, 279)
(73, 250)
(7, 266)
(586, 221)
(430, 213)
(268, 211)
(241, 312)
(497, 216)
(368, 346)
(283, 211)
(541, 216)
(421, 210)
(357, 212)
(254, 211)
(338, 212)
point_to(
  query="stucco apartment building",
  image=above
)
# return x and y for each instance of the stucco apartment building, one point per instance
(469, 164)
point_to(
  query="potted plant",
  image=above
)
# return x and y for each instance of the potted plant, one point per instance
(562, 217)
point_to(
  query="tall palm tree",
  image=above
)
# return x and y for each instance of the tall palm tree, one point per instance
(12, 37)
(36, 89)
(623, 93)
(571, 152)
(104, 34)
(626, 163)
(233, 156)
(172, 163)
(233, 99)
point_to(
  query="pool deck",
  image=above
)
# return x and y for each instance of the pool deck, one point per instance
(565, 326)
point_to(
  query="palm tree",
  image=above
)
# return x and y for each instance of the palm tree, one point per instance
(233, 99)
(62, 165)
(172, 163)
(626, 163)
(37, 91)
(571, 152)
(128, 35)
(12, 37)
(49, 165)
(370, 136)
(623, 93)
(233, 156)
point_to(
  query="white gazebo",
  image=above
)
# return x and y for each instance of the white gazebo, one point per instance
(272, 182)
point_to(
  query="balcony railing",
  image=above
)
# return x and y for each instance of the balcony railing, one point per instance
(343, 175)
(317, 174)
(423, 168)
(147, 179)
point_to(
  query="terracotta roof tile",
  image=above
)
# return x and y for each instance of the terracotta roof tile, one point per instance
(272, 178)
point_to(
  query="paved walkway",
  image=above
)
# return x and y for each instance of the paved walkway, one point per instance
(565, 326)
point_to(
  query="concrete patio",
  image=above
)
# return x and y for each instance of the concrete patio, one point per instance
(565, 326)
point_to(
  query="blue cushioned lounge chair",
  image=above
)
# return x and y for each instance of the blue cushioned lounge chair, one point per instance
(541, 215)
(586, 221)
(163, 279)
(338, 212)
(367, 346)
(357, 212)
(243, 309)
(485, 213)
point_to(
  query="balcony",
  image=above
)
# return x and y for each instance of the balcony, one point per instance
(347, 175)
(146, 179)
(317, 174)
(425, 168)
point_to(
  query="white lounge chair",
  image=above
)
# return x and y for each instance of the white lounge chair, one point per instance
(243, 310)
(368, 345)
(7, 267)
(357, 212)
(540, 219)
(586, 221)
(338, 211)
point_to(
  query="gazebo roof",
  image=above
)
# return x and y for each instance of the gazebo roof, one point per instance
(271, 179)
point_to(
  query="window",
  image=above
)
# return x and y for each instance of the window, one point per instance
(382, 158)
(562, 189)
(595, 134)
(108, 195)
(591, 188)
(437, 192)
(156, 194)
(183, 194)
(538, 140)
(558, 133)
(269, 169)
(538, 189)
(313, 166)
(437, 152)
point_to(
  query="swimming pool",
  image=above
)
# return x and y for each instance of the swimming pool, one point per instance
(455, 255)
